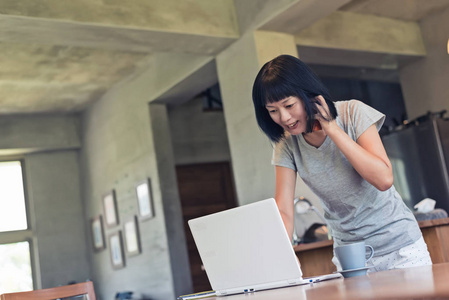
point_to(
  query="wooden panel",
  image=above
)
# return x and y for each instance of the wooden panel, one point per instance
(316, 261)
(436, 235)
(433, 245)
(443, 235)
(316, 258)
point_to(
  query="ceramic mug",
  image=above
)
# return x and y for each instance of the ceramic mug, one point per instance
(353, 256)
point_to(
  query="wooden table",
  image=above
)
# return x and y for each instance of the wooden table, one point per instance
(316, 257)
(427, 282)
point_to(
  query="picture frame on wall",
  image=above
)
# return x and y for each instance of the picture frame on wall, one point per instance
(110, 209)
(144, 199)
(132, 237)
(96, 225)
(116, 250)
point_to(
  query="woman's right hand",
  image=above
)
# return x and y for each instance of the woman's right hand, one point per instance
(285, 196)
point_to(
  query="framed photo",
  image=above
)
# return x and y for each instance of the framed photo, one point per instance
(116, 250)
(132, 237)
(144, 199)
(110, 209)
(96, 225)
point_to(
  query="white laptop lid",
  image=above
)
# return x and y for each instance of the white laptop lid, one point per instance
(246, 247)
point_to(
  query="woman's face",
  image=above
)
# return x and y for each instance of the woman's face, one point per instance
(290, 114)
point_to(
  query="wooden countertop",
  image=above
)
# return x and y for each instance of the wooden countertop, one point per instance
(435, 222)
(326, 243)
(315, 245)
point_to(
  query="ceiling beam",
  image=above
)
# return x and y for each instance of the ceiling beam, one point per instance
(26, 30)
(357, 40)
(301, 14)
(193, 17)
(358, 32)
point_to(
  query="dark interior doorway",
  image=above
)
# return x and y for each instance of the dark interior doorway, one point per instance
(203, 189)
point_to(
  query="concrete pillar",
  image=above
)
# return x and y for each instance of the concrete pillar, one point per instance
(177, 246)
(250, 149)
(271, 44)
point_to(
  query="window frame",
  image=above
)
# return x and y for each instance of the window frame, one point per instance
(27, 235)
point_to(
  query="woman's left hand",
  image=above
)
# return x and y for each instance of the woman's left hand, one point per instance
(323, 114)
(367, 155)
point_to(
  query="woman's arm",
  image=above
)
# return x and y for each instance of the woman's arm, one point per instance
(367, 155)
(284, 196)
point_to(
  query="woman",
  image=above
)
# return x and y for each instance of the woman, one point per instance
(337, 151)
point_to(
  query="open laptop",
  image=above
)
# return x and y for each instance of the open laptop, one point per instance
(247, 249)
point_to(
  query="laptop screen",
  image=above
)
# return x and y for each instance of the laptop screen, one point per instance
(245, 246)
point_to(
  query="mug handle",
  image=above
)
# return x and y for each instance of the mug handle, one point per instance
(372, 253)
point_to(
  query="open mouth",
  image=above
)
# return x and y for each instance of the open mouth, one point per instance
(293, 125)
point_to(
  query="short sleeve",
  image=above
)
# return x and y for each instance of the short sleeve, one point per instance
(283, 156)
(363, 116)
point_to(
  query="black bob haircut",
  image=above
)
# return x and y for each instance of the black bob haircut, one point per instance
(283, 77)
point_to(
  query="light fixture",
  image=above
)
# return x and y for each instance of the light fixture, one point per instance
(448, 46)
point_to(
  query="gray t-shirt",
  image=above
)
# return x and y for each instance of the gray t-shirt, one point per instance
(354, 209)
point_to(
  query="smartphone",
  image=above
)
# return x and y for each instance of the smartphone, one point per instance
(316, 125)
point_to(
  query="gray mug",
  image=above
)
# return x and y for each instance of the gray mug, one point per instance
(353, 256)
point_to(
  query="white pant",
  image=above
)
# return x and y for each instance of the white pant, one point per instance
(412, 255)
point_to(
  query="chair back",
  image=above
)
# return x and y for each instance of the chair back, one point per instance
(72, 290)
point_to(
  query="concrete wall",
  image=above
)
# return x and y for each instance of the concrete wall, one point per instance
(49, 147)
(21, 134)
(424, 82)
(124, 142)
(198, 136)
(59, 226)
(117, 154)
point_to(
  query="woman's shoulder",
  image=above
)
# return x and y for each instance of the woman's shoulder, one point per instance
(356, 113)
(351, 108)
(347, 104)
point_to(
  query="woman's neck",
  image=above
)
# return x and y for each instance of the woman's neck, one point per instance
(315, 138)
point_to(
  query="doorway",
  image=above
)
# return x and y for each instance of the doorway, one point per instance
(204, 189)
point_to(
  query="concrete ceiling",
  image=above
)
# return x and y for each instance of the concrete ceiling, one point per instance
(60, 56)
(406, 10)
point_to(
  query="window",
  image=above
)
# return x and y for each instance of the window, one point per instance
(12, 198)
(15, 248)
(16, 268)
